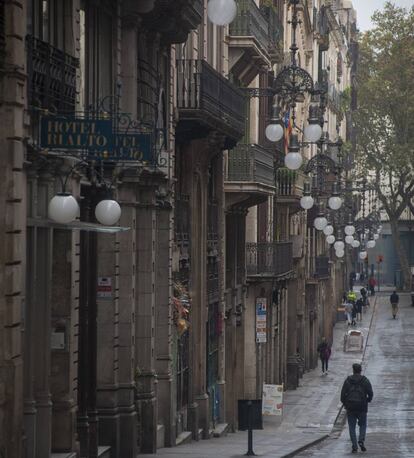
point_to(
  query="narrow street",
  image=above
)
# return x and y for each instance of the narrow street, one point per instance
(311, 410)
(389, 364)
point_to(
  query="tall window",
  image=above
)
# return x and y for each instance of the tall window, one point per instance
(47, 20)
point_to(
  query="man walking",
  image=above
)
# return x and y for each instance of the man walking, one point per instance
(394, 299)
(324, 351)
(355, 395)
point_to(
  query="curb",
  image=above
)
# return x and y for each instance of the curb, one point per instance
(340, 418)
(306, 446)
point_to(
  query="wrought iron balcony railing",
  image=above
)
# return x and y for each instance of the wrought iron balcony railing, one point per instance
(206, 98)
(251, 162)
(182, 219)
(289, 183)
(269, 258)
(334, 98)
(52, 76)
(276, 31)
(250, 22)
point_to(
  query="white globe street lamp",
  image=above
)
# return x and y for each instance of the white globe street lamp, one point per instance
(320, 223)
(63, 208)
(328, 230)
(335, 202)
(362, 254)
(221, 12)
(376, 236)
(108, 212)
(356, 243)
(339, 245)
(293, 159)
(274, 131)
(371, 244)
(349, 239)
(340, 253)
(349, 229)
(313, 131)
(330, 239)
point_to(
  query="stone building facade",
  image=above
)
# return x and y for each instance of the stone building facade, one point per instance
(123, 340)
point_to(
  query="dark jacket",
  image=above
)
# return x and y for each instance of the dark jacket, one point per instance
(359, 304)
(349, 385)
(324, 350)
(394, 298)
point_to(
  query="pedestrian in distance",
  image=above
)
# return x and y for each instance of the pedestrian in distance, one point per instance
(358, 306)
(364, 295)
(349, 306)
(394, 299)
(324, 351)
(354, 313)
(372, 283)
(356, 393)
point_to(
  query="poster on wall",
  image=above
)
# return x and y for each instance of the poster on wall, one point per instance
(261, 310)
(272, 403)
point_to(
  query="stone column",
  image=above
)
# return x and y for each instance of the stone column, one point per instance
(145, 314)
(63, 355)
(292, 380)
(163, 331)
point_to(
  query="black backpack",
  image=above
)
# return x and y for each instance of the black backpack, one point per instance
(356, 398)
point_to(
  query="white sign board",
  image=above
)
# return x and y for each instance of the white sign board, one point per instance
(272, 403)
(104, 290)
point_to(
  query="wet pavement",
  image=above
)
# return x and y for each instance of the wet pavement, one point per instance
(310, 412)
(389, 364)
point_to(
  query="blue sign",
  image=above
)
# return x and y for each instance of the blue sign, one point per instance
(96, 138)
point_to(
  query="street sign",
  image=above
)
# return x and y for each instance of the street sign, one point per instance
(261, 309)
(96, 138)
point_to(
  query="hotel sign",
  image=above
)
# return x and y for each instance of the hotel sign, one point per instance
(95, 137)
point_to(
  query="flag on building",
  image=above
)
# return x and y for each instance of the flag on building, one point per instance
(288, 129)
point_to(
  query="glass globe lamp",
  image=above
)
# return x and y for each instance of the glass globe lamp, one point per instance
(320, 223)
(362, 254)
(293, 161)
(349, 229)
(221, 12)
(63, 208)
(335, 202)
(376, 236)
(371, 244)
(356, 243)
(328, 230)
(108, 212)
(330, 239)
(306, 202)
(349, 239)
(274, 132)
(340, 253)
(339, 245)
(313, 131)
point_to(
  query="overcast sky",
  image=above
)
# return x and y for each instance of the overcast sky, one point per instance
(365, 8)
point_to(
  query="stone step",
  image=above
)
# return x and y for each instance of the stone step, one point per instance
(160, 436)
(104, 451)
(64, 455)
(220, 430)
(183, 438)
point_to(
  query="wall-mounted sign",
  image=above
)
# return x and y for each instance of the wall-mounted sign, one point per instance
(97, 138)
(261, 309)
(104, 290)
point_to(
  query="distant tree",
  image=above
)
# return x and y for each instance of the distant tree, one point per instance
(385, 115)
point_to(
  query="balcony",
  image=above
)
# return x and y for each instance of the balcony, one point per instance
(250, 175)
(334, 98)
(289, 187)
(208, 101)
(248, 41)
(276, 33)
(269, 259)
(52, 77)
(174, 19)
